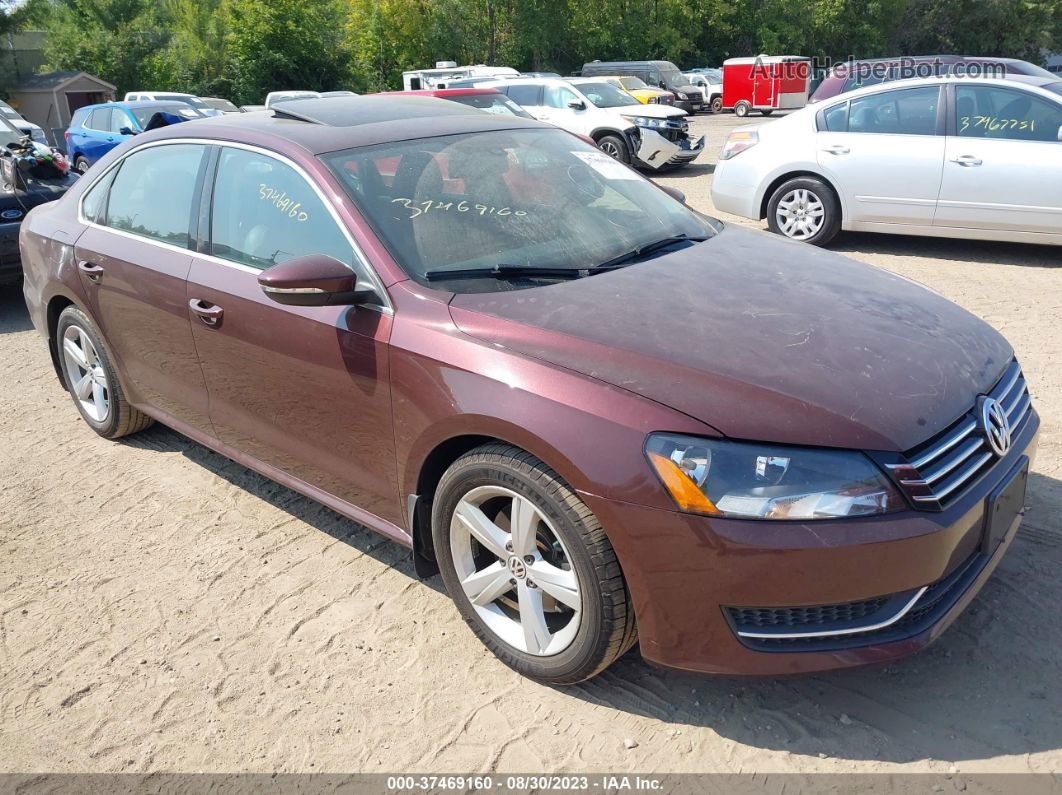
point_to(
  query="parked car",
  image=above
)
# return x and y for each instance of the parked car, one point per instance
(951, 157)
(251, 108)
(502, 358)
(338, 94)
(23, 126)
(489, 100)
(766, 83)
(606, 114)
(217, 103)
(204, 107)
(96, 129)
(447, 73)
(662, 74)
(540, 74)
(22, 189)
(850, 75)
(640, 91)
(710, 84)
(274, 97)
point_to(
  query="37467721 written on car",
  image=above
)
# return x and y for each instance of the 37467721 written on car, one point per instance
(605, 418)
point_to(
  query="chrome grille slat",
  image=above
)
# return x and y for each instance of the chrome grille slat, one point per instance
(937, 472)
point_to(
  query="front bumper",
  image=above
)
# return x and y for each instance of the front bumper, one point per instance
(10, 260)
(685, 571)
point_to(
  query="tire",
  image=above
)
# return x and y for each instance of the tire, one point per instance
(102, 404)
(614, 146)
(767, 112)
(569, 549)
(742, 109)
(810, 194)
(81, 165)
(717, 105)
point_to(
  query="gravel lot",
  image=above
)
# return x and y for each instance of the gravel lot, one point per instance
(164, 609)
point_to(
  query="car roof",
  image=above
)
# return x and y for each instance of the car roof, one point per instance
(441, 92)
(326, 125)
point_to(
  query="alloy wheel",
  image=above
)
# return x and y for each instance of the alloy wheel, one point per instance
(800, 214)
(515, 571)
(85, 373)
(610, 149)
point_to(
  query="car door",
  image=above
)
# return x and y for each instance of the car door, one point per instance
(302, 389)
(133, 259)
(1002, 161)
(99, 138)
(555, 110)
(884, 153)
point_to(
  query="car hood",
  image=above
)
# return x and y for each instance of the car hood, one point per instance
(653, 111)
(760, 338)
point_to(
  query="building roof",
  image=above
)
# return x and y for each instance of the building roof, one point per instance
(51, 81)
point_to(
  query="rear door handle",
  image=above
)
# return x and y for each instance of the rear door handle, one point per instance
(967, 160)
(92, 271)
(837, 149)
(210, 314)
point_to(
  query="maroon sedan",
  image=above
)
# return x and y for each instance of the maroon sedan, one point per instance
(605, 418)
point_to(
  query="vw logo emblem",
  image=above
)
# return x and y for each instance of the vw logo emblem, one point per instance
(517, 567)
(10, 215)
(995, 425)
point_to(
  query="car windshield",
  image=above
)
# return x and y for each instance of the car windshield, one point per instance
(673, 78)
(491, 103)
(9, 134)
(713, 75)
(221, 104)
(632, 83)
(606, 95)
(507, 199)
(143, 115)
(195, 102)
(8, 112)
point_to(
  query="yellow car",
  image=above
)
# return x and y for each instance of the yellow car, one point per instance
(642, 92)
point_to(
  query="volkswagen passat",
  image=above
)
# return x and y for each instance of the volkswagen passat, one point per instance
(971, 158)
(604, 417)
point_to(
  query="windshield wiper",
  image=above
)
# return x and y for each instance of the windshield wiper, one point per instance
(645, 250)
(503, 271)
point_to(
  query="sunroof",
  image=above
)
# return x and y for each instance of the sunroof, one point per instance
(354, 111)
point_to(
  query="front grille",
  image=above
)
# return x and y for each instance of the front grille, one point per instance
(895, 618)
(937, 472)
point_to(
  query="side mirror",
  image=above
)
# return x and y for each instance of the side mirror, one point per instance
(577, 104)
(126, 131)
(674, 193)
(314, 280)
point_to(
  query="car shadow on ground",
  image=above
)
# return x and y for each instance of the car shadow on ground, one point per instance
(14, 316)
(160, 438)
(942, 248)
(988, 687)
(685, 172)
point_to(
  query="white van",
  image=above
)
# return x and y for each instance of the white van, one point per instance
(446, 72)
(173, 96)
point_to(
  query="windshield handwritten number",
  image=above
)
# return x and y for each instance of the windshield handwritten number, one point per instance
(417, 209)
(993, 124)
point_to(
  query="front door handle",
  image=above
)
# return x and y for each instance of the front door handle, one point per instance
(837, 149)
(967, 160)
(92, 271)
(210, 314)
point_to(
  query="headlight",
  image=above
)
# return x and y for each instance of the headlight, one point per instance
(752, 481)
(645, 121)
(680, 95)
(737, 142)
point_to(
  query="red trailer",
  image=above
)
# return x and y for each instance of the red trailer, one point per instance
(766, 83)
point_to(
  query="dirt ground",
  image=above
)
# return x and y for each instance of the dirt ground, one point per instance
(164, 609)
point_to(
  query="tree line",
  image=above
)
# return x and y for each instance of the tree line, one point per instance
(241, 49)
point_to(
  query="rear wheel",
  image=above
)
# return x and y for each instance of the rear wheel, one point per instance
(614, 146)
(742, 109)
(717, 105)
(91, 379)
(529, 566)
(806, 209)
(81, 165)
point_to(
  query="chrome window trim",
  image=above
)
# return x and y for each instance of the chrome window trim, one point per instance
(374, 278)
(833, 632)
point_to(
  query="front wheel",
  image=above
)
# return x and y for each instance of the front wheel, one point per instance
(529, 566)
(806, 209)
(614, 146)
(742, 109)
(81, 165)
(717, 105)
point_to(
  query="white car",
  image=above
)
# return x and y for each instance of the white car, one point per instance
(951, 157)
(273, 97)
(710, 82)
(647, 135)
(173, 96)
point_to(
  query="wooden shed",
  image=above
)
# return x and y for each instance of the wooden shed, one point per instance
(49, 99)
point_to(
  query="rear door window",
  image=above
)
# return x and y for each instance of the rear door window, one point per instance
(559, 97)
(100, 120)
(910, 111)
(525, 95)
(153, 193)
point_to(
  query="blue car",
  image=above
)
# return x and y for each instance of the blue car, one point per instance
(97, 129)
